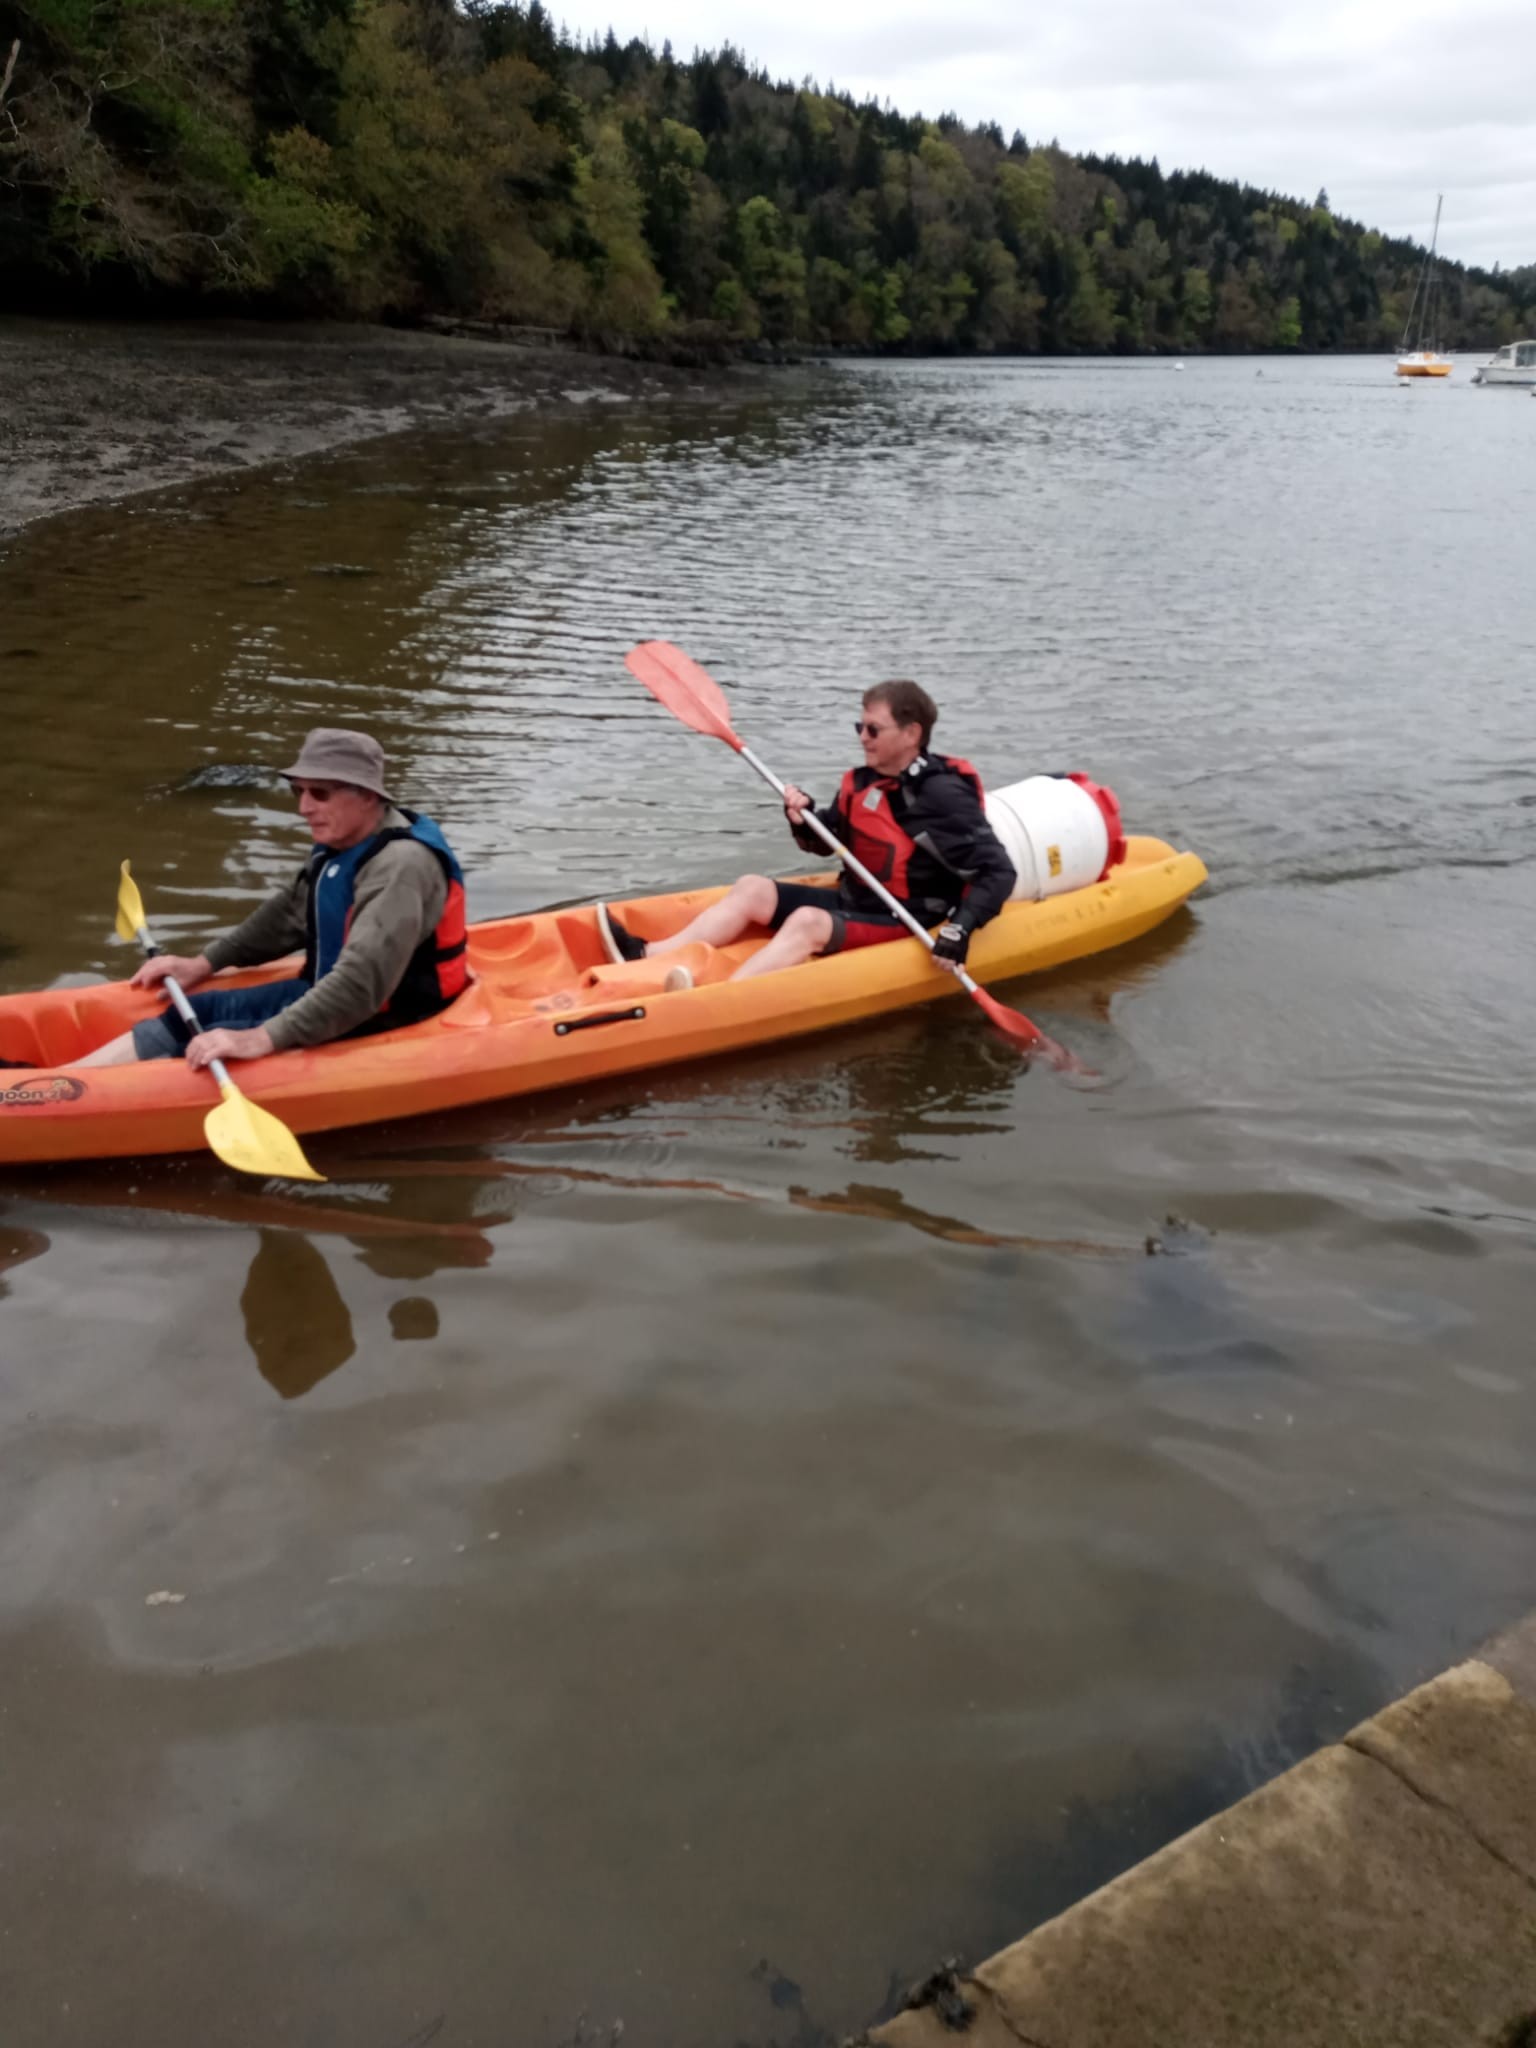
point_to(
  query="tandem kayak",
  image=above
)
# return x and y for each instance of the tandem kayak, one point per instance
(545, 1009)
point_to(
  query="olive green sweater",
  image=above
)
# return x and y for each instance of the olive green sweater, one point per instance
(399, 898)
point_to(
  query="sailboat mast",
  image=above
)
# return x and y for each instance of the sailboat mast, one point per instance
(1423, 287)
(1431, 310)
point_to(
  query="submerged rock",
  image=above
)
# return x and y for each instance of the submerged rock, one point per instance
(227, 775)
(1179, 1235)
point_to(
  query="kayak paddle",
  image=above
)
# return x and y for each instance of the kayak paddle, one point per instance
(692, 694)
(245, 1136)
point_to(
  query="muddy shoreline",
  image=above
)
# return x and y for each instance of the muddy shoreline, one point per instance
(90, 413)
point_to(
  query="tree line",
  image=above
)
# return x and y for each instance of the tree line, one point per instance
(404, 158)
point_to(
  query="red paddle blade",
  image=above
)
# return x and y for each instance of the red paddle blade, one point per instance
(688, 691)
(1028, 1037)
(1010, 1022)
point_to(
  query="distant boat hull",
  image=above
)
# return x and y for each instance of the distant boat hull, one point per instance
(1423, 363)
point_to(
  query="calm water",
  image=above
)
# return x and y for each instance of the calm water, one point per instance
(694, 1552)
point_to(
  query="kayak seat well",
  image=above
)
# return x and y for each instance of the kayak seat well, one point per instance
(65, 1025)
(521, 959)
(522, 956)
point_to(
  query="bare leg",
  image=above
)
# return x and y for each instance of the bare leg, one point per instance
(750, 901)
(117, 1052)
(803, 934)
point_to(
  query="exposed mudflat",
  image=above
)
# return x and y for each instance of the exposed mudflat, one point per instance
(93, 412)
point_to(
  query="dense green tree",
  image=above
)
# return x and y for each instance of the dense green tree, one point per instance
(400, 157)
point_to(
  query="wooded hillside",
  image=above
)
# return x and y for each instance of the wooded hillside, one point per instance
(394, 158)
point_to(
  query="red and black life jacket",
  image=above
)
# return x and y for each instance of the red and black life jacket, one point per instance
(878, 814)
(437, 971)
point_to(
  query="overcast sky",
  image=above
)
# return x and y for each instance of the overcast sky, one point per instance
(1383, 102)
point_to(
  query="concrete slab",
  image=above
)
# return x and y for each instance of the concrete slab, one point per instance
(1466, 1742)
(1380, 1895)
(1334, 1906)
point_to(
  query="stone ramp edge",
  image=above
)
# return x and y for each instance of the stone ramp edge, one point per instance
(1379, 1894)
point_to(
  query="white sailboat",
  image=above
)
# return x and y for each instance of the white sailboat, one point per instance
(1417, 352)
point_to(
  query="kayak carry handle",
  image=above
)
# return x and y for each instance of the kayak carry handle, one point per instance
(565, 1028)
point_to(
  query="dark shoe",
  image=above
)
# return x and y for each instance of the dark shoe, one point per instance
(622, 945)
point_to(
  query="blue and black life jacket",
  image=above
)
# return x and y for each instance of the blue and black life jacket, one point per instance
(437, 970)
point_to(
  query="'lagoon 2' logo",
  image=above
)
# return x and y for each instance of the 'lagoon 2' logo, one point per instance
(43, 1093)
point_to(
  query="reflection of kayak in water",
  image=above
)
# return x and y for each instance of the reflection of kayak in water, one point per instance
(545, 1010)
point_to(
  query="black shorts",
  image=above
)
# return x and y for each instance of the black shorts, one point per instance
(849, 928)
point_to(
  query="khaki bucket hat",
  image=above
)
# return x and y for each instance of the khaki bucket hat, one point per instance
(332, 754)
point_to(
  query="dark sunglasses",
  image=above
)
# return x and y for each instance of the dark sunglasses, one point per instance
(866, 728)
(322, 792)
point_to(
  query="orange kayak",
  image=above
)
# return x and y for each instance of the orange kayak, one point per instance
(545, 1010)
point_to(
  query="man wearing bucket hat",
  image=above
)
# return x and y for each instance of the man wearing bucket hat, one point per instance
(377, 911)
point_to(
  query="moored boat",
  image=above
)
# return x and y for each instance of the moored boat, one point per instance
(1423, 363)
(1515, 363)
(545, 1009)
(1418, 353)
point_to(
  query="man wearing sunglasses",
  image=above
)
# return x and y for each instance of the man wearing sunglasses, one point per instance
(915, 820)
(377, 910)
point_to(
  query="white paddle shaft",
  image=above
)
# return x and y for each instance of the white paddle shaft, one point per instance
(184, 1009)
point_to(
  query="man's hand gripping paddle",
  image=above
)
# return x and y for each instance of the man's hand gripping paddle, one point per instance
(692, 694)
(244, 1136)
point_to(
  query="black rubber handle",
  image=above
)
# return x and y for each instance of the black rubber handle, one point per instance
(564, 1030)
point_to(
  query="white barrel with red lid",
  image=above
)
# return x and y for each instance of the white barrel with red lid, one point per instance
(1061, 832)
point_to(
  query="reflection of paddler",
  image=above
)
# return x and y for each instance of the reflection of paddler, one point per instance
(377, 910)
(296, 1320)
(296, 1323)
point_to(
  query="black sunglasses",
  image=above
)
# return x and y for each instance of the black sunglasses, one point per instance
(866, 728)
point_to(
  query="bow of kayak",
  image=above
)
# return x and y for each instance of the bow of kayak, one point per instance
(545, 1010)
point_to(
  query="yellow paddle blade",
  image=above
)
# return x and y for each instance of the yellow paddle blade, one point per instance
(130, 907)
(252, 1140)
(244, 1136)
